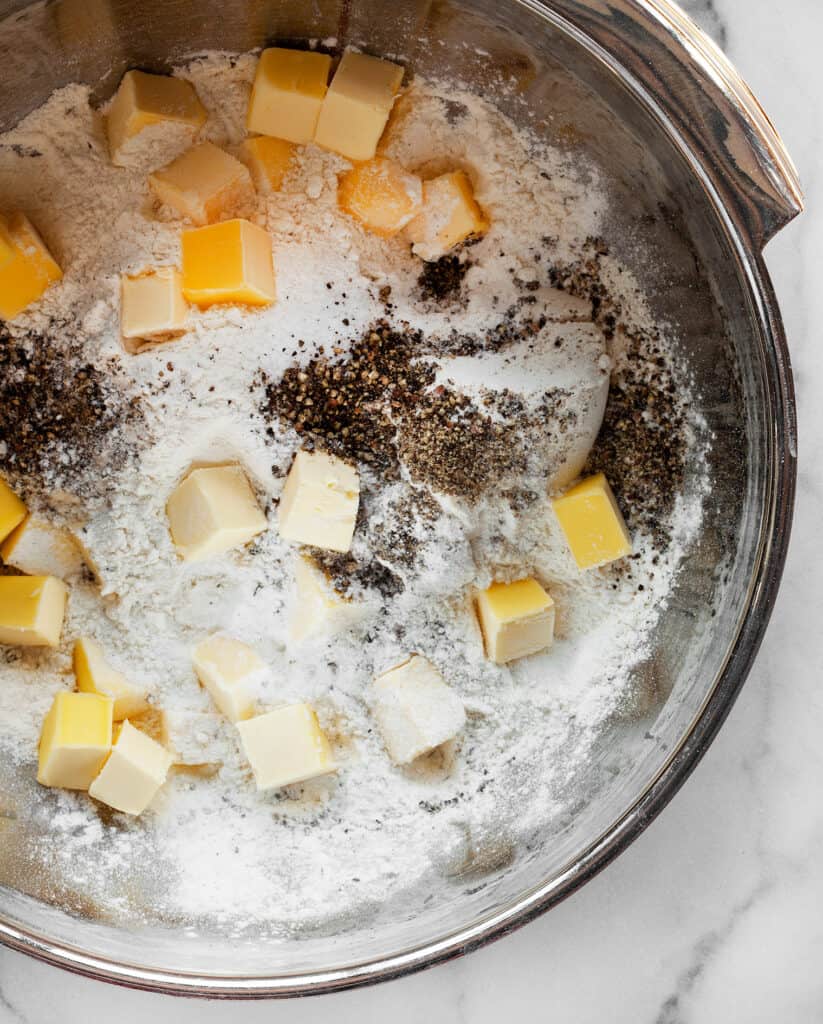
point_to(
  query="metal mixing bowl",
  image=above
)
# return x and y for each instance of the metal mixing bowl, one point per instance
(701, 179)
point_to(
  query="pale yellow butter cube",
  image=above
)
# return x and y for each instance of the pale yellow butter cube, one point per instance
(95, 675)
(205, 184)
(269, 160)
(195, 739)
(32, 609)
(75, 740)
(134, 772)
(26, 276)
(286, 746)
(517, 619)
(415, 709)
(357, 105)
(212, 510)
(289, 87)
(143, 100)
(318, 608)
(38, 548)
(12, 510)
(449, 216)
(231, 672)
(152, 307)
(320, 501)
(592, 523)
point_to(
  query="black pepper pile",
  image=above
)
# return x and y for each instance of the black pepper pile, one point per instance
(61, 415)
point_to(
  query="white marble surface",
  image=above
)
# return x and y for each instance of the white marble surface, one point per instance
(714, 914)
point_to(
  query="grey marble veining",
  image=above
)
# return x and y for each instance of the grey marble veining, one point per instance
(714, 914)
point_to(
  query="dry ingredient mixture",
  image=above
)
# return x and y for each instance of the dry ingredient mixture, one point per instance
(465, 391)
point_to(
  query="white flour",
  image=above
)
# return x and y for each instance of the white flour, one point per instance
(327, 850)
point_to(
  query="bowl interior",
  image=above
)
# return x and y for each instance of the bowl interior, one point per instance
(665, 228)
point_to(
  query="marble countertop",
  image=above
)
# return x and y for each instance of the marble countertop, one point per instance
(714, 914)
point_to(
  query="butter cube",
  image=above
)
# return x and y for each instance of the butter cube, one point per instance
(152, 307)
(592, 523)
(143, 100)
(212, 510)
(135, 770)
(32, 609)
(357, 105)
(517, 619)
(195, 739)
(415, 710)
(75, 740)
(231, 672)
(268, 160)
(40, 549)
(450, 215)
(12, 510)
(31, 269)
(205, 184)
(95, 675)
(228, 262)
(319, 502)
(288, 90)
(286, 746)
(381, 195)
(319, 609)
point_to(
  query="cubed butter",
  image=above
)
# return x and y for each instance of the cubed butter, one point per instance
(517, 619)
(75, 740)
(12, 510)
(95, 675)
(38, 548)
(415, 710)
(228, 262)
(357, 105)
(592, 523)
(450, 215)
(195, 739)
(269, 160)
(205, 184)
(318, 608)
(32, 609)
(212, 510)
(381, 195)
(143, 100)
(319, 502)
(288, 91)
(286, 746)
(152, 307)
(231, 672)
(134, 772)
(31, 269)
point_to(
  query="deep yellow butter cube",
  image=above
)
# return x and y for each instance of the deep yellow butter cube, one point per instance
(228, 262)
(32, 609)
(449, 216)
(288, 90)
(31, 269)
(357, 105)
(516, 619)
(269, 160)
(592, 523)
(94, 674)
(381, 195)
(205, 184)
(75, 740)
(12, 510)
(143, 100)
